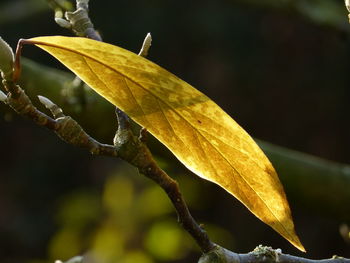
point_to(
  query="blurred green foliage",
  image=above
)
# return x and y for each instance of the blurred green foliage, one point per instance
(128, 220)
(19, 10)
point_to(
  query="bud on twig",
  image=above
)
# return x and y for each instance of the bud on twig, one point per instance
(62, 22)
(146, 45)
(6, 60)
(55, 110)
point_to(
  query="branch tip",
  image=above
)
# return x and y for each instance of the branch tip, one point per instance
(63, 22)
(45, 101)
(123, 119)
(58, 13)
(54, 109)
(148, 37)
(147, 42)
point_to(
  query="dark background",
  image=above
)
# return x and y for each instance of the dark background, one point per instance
(278, 73)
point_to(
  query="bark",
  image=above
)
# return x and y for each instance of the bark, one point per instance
(262, 255)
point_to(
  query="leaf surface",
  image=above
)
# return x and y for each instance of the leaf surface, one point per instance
(195, 129)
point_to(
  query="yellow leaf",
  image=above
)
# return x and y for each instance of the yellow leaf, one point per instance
(198, 132)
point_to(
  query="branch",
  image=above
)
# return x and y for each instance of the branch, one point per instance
(261, 254)
(64, 126)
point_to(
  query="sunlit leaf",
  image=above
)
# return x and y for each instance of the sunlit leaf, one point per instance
(198, 132)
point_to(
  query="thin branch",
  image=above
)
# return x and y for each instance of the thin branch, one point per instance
(261, 254)
(141, 157)
(64, 126)
(146, 45)
(185, 218)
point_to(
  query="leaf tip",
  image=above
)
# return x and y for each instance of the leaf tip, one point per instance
(295, 241)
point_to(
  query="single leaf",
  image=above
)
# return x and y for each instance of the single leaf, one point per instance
(197, 131)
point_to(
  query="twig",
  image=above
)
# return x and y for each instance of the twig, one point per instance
(64, 126)
(260, 254)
